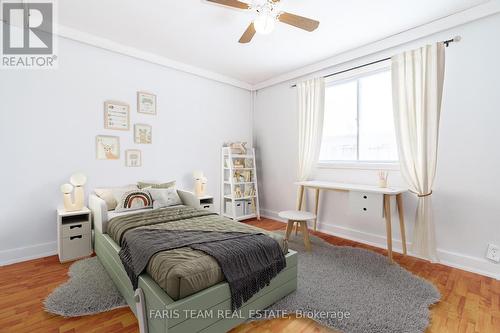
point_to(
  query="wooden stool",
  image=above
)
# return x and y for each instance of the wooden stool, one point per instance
(301, 218)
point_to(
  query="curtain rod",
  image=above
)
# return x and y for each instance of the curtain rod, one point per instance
(446, 43)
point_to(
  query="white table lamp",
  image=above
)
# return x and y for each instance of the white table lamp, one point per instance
(200, 182)
(77, 180)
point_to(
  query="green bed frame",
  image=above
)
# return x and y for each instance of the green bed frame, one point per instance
(200, 312)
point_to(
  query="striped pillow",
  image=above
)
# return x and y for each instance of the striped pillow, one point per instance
(133, 200)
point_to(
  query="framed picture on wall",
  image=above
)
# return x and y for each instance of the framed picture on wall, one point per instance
(142, 133)
(107, 147)
(146, 102)
(116, 116)
(133, 158)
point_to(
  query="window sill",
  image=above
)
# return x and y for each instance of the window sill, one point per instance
(358, 165)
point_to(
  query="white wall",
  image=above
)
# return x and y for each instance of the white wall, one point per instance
(49, 120)
(467, 206)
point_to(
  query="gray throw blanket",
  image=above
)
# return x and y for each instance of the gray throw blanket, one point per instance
(248, 261)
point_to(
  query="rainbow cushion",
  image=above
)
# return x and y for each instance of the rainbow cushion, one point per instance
(135, 199)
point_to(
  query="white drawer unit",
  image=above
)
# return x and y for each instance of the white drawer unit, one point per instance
(207, 203)
(366, 204)
(74, 234)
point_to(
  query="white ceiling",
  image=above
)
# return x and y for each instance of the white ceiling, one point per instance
(205, 35)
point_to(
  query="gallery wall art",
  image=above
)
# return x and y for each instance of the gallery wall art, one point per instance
(133, 158)
(146, 103)
(142, 133)
(116, 116)
(107, 147)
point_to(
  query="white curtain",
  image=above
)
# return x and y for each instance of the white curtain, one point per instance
(311, 96)
(417, 84)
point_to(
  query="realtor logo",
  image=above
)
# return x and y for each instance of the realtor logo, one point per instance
(28, 35)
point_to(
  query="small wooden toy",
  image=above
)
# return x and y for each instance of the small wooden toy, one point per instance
(237, 192)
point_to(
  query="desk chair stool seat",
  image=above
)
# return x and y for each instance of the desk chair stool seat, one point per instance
(301, 218)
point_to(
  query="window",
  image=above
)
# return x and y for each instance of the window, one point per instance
(358, 123)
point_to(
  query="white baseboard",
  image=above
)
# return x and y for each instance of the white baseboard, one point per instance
(467, 263)
(12, 256)
(457, 260)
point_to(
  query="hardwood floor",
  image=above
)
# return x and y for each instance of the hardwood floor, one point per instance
(470, 302)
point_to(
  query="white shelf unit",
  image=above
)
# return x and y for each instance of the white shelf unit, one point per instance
(74, 234)
(245, 206)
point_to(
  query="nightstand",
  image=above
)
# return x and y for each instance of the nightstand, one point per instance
(74, 234)
(206, 202)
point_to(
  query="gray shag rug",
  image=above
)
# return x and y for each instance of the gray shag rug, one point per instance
(89, 290)
(349, 289)
(355, 291)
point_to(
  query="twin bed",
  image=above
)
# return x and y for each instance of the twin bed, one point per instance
(182, 289)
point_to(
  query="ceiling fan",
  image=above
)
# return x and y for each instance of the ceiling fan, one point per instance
(268, 12)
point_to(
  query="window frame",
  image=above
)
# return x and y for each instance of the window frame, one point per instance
(354, 75)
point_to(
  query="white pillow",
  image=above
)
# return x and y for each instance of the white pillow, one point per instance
(164, 197)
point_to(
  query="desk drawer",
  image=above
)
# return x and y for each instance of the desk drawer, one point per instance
(366, 204)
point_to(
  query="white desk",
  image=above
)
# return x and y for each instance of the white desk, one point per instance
(361, 192)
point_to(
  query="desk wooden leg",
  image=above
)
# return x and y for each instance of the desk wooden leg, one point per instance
(399, 201)
(387, 213)
(316, 203)
(307, 242)
(300, 197)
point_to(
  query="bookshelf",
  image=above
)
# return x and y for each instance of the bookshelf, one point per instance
(240, 195)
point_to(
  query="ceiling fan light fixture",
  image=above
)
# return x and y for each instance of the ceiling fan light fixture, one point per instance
(264, 23)
(268, 13)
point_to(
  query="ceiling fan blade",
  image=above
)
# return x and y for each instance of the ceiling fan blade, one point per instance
(248, 34)
(298, 21)
(232, 3)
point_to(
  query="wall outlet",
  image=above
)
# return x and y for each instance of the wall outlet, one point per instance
(493, 252)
